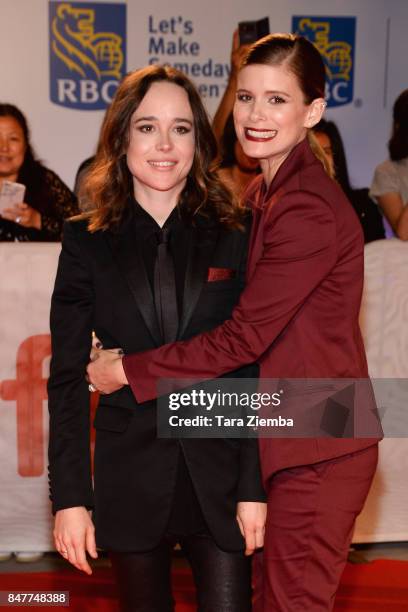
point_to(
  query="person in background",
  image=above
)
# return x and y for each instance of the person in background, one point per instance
(81, 174)
(226, 105)
(236, 169)
(329, 138)
(390, 183)
(80, 179)
(47, 201)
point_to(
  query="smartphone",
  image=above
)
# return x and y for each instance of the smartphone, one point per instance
(251, 31)
(11, 194)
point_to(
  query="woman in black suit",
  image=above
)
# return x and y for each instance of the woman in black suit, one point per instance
(161, 256)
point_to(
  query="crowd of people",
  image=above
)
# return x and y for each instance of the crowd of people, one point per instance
(196, 253)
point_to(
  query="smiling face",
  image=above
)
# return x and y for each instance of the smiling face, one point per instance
(12, 147)
(161, 141)
(270, 114)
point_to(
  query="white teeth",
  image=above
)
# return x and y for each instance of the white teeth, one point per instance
(162, 164)
(265, 134)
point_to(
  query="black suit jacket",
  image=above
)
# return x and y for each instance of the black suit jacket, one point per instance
(102, 285)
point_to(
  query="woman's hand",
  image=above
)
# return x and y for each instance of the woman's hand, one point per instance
(251, 517)
(105, 371)
(74, 535)
(24, 215)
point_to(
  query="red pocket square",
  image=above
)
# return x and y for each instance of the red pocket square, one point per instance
(218, 274)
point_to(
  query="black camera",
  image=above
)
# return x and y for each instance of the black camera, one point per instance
(251, 31)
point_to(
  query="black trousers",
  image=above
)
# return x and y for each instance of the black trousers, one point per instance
(222, 579)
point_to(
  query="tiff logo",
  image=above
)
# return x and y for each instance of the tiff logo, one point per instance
(29, 391)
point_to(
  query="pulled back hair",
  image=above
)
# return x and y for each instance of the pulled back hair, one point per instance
(298, 54)
(398, 145)
(108, 185)
(301, 58)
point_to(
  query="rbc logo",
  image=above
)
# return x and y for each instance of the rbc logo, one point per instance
(334, 37)
(87, 53)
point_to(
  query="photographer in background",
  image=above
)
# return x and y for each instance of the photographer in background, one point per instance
(224, 110)
(236, 169)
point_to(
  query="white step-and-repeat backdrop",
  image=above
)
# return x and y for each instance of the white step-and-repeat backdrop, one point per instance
(61, 62)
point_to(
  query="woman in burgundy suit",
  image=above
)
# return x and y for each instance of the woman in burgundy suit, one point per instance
(298, 317)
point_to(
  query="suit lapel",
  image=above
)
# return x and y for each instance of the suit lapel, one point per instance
(300, 157)
(261, 199)
(202, 240)
(126, 252)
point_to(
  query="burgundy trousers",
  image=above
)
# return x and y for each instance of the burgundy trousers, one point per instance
(311, 515)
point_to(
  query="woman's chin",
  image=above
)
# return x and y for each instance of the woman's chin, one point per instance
(256, 150)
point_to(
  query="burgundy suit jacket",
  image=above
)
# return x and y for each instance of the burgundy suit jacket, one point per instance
(298, 315)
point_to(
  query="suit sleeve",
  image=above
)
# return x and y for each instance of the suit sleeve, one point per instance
(68, 395)
(250, 487)
(299, 250)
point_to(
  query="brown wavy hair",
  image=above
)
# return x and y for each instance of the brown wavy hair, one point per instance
(108, 185)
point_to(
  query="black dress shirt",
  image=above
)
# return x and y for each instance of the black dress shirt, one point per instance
(186, 517)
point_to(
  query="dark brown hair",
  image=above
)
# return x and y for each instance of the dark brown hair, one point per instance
(108, 184)
(398, 145)
(9, 110)
(301, 57)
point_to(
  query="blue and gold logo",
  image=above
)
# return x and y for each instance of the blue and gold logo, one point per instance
(87, 53)
(335, 38)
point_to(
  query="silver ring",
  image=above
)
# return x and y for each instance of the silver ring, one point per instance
(92, 388)
(18, 219)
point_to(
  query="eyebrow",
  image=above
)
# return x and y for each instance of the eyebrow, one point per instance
(153, 118)
(269, 92)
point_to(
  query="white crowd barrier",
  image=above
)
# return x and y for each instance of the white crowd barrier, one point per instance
(383, 320)
(27, 273)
